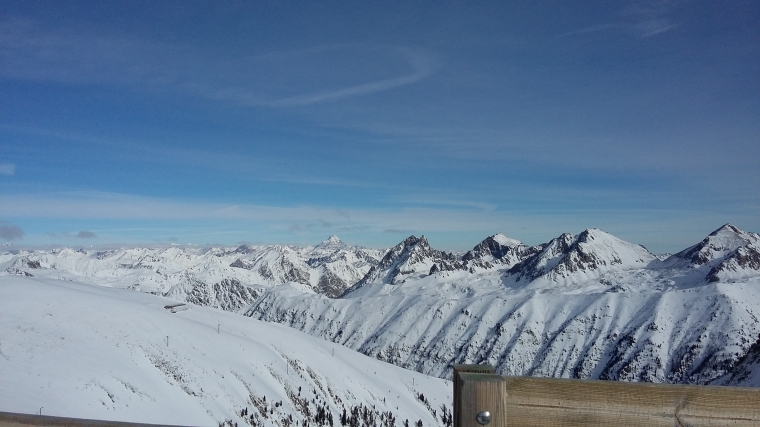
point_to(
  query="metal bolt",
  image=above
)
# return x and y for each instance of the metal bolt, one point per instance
(483, 417)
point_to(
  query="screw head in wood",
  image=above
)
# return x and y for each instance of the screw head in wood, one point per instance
(483, 417)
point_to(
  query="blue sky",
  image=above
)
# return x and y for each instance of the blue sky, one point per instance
(286, 122)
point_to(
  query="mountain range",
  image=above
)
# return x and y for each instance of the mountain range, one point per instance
(588, 305)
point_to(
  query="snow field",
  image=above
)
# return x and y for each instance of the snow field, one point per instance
(93, 352)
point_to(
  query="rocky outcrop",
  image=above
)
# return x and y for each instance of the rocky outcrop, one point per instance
(227, 294)
(411, 258)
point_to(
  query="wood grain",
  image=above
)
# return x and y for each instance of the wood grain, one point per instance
(527, 401)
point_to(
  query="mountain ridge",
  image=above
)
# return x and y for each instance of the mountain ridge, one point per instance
(581, 306)
(588, 305)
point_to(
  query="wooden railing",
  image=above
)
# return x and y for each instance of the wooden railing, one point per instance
(548, 402)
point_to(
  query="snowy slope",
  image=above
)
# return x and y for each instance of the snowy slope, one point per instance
(94, 352)
(690, 335)
(746, 372)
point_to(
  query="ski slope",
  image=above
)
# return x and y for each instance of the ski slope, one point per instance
(78, 350)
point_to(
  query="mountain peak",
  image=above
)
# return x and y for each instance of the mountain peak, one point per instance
(505, 241)
(592, 234)
(727, 229)
(412, 257)
(333, 240)
(409, 241)
(494, 249)
(588, 253)
(332, 243)
(717, 245)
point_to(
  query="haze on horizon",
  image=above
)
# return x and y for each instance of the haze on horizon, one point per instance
(287, 122)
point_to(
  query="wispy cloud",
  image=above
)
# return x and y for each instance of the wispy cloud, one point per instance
(258, 167)
(397, 231)
(652, 28)
(422, 66)
(658, 229)
(111, 206)
(10, 232)
(86, 234)
(444, 200)
(591, 29)
(643, 19)
(650, 17)
(280, 79)
(7, 169)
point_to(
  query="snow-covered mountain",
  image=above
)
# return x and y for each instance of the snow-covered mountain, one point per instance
(495, 250)
(580, 258)
(581, 306)
(411, 259)
(727, 254)
(84, 351)
(587, 306)
(227, 278)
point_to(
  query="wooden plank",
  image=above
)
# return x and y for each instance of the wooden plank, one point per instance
(528, 401)
(562, 402)
(483, 369)
(481, 392)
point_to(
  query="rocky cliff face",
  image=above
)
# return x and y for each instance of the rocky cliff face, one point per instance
(410, 259)
(227, 294)
(497, 250)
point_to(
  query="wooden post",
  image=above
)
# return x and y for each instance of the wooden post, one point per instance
(482, 369)
(477, 388)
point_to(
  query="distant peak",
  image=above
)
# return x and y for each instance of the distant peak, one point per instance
(727, 228)
(415, 243)
(244, 249)
(503, 240)
(409, 241)
(333, 242)
(717, 244)
(594, 232)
